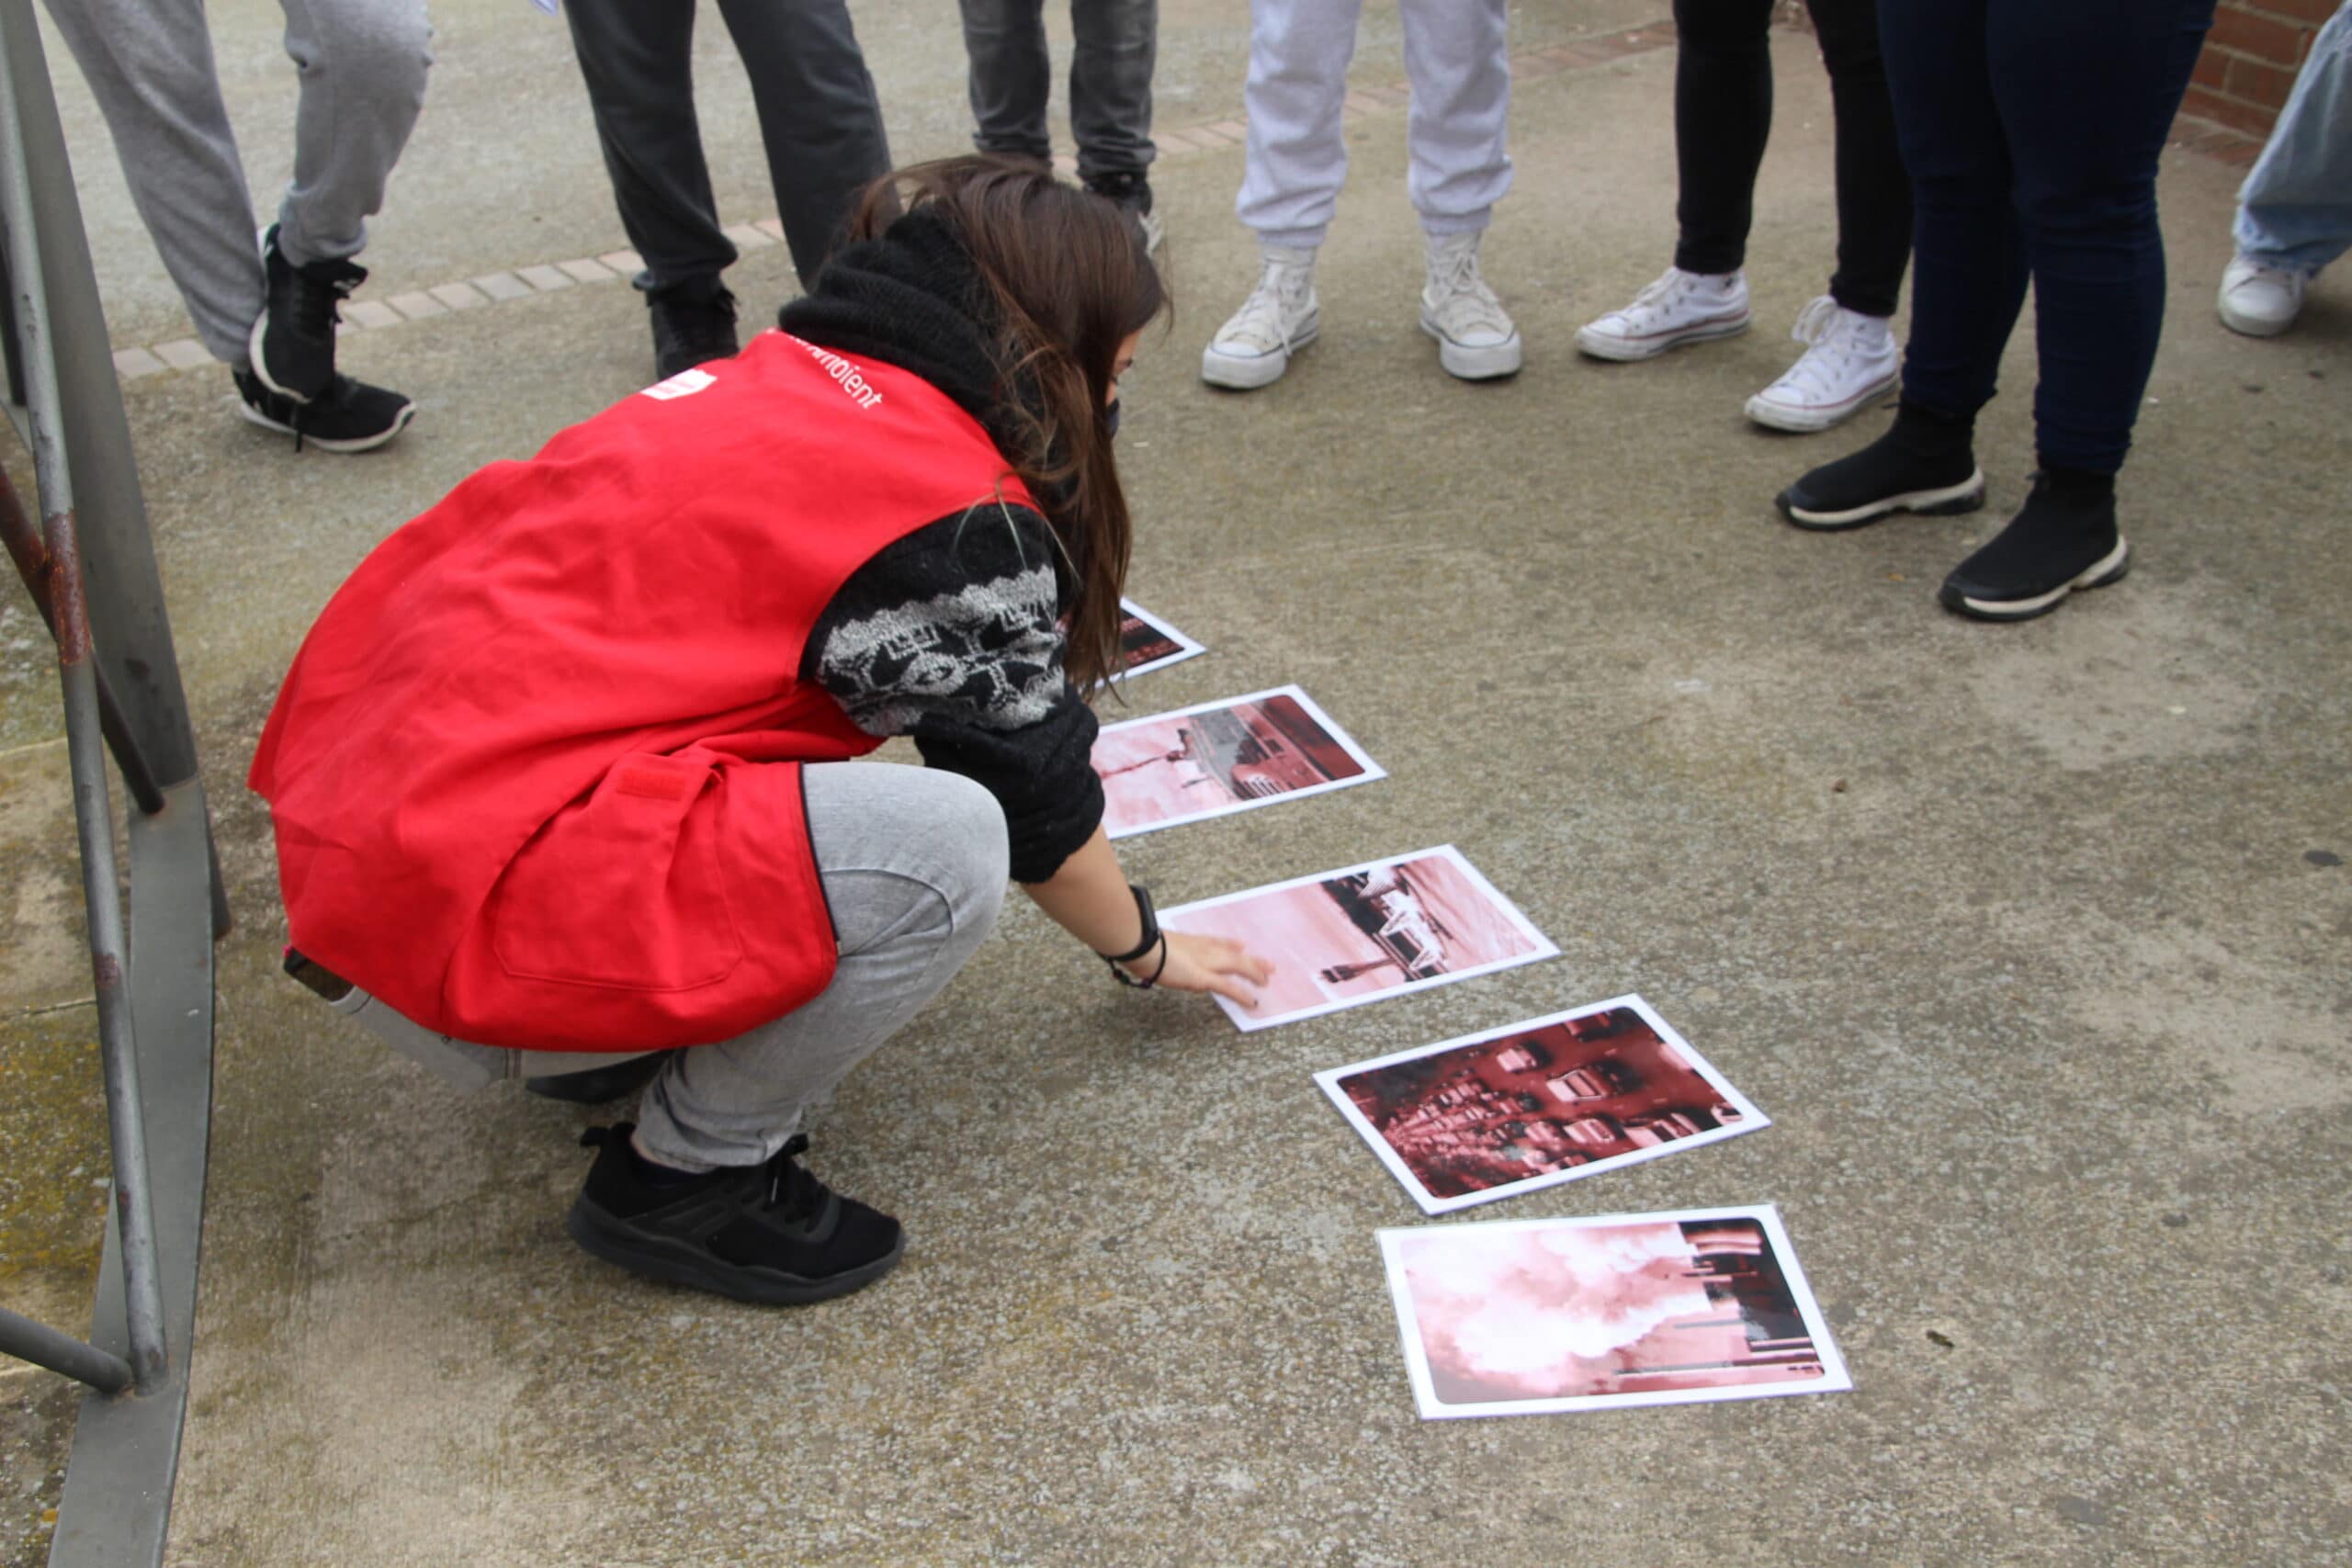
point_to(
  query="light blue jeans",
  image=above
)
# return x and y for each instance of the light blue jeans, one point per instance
(2295, 208)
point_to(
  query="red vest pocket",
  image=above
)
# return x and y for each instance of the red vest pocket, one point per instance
(625, 888)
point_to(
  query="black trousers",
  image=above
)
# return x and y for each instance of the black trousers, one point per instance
(1723, 114)
(819, 117)
(2032, 130)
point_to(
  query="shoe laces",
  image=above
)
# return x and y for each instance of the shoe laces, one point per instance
(1832, 336)
(791, 1185)
(1660, 297)
(318, 293)
(1459, 292)
(1265, 316)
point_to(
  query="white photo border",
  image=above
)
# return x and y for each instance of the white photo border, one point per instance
(1544, 947)
(1186, 647)
(1371, 770)
(1332, 1078)
(1833, 1379)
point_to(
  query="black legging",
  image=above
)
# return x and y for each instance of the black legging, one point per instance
(1722, 113)
(2032, 129)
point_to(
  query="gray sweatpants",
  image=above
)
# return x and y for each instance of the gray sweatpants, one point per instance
(362, 66)
(914, 866)
(1115, 45)
(1457, 62)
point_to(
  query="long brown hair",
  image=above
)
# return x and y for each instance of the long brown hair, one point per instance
(1071, 280)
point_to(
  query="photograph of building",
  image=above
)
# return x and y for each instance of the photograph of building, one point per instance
(1222, 757)
(1150, 643)
(1350, 936)
(1561, 1315)
(1471, 1119)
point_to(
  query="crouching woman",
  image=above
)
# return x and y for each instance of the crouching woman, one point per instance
(565, 766)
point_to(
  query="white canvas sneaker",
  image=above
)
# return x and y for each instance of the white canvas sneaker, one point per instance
(1680, 308)
(2258, 301)
(1851, 362)
(1476, 338)
(1280, 316)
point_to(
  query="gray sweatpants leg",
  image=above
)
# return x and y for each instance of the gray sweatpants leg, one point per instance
(1116, 43)
(914, 865)
(148, 63)
(819, 120)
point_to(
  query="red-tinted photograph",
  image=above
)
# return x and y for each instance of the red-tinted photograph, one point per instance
(1524, 1317)
(1496, 1114)
(1348, 937)
(1222, 757)
(1150, 643)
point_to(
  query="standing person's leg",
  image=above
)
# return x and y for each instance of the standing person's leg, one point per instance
(637, 60)
(819, 117)
(1296, 161)
(1723, 115)
(2295, 208)
(363, 65)
(705, 1191)
(1011, 76)
(1851, 360)
(2087, 93)
(1110, 101)
(1968, 276)
(1457, 59)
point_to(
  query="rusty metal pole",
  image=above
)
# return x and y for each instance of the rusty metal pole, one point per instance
(85, 747)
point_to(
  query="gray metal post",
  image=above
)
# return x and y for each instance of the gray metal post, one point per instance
(44, 1346)
(85, 747)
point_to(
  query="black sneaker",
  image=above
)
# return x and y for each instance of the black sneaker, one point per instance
(1922, 464)
(768, 1233)
(2063, 539)
(292, 343)
(693, 321)
(349, 416)
(1132, 192)
(597, 1085)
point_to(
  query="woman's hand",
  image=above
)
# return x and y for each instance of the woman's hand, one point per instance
(1206, 963)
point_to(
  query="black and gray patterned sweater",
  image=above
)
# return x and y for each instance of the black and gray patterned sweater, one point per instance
(953, 635)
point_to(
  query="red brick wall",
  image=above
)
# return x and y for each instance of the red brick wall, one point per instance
(2250, 61)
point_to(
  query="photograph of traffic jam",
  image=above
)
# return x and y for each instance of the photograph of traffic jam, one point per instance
(1342, 938)
(1495, 1114)
(1531, 1317)
(1222, 757)
(1150, 643)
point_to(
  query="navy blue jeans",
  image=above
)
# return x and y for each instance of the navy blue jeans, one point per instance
(2031, 128)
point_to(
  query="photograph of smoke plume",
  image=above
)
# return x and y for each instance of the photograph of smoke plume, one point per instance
(1525, 1317)
(1151, 643)
(1222, 757)
(1492, 1115)
(1343, 938)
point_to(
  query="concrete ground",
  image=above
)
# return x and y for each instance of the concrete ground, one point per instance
(2031, 939)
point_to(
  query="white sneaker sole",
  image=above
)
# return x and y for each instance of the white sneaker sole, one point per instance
(359, 444)
(2111, 567)
(1247, 372)
(1965, 496)
(1806, 420)
(2254, 326)
(1476, 362)
(1626, 350)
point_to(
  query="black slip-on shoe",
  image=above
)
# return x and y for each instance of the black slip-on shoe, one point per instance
(291, 346)
(2058, 544)
(1919, 466)
(693, 322)
(769, 1233)
(349, 416)
(597, 1085)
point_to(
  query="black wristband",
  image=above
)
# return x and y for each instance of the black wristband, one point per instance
(1129, 981)
(1150, 929)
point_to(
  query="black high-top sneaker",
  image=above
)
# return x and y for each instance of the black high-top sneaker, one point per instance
(1925, 462)
(693, 321)
(769, 1233)
(2063, 539)
(347, 416)
(291, 346)
(1132, 192)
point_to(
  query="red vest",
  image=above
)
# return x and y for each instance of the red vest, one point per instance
(535, 774)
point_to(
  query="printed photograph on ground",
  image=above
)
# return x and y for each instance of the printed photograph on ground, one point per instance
(1343, 938)
(1492, 1115)
(1529, 1317)
(1222, 757)
(1151, 643)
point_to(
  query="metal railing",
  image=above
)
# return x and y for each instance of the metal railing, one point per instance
(90, 568)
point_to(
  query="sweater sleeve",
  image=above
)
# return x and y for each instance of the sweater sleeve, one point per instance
(952, 636)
